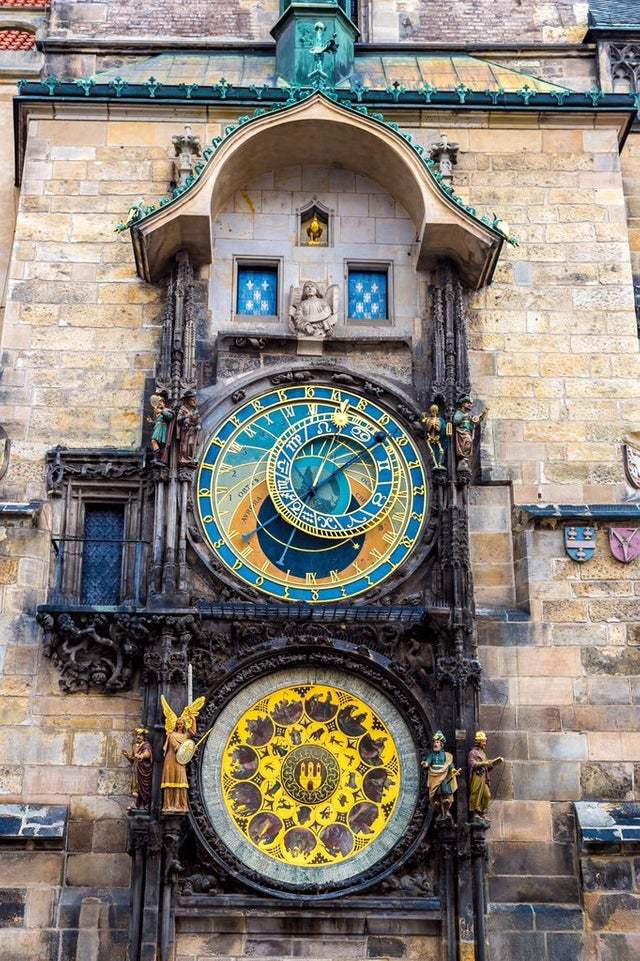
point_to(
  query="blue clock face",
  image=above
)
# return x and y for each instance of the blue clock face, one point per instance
(312, 493)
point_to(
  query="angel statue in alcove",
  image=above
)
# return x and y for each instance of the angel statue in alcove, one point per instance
(179, 731)
(313, 313)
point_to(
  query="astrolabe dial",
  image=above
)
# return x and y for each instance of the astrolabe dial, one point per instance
(333, 479)
(312, 493)
(310, 775)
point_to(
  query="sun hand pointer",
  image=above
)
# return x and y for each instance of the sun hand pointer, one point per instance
(378, 438)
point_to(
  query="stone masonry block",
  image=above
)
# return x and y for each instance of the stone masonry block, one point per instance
(105, 870)
(538, 859)
(565, 947)
(523, 945)
(607, 874)
(524, 820)
(32, 867)
(606, 781)
(510, 917)
(554, 917)
(561, 747)
(546, 780)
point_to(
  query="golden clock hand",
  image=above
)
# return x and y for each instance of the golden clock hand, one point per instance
(378, 438)
(306, 496)
(321, 468)
(315, 487)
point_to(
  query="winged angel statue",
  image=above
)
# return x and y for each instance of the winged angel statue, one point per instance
(312, 313)
(178, 750)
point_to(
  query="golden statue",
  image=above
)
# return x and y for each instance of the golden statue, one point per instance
(315, 230)
(179, 731)
(479, 766)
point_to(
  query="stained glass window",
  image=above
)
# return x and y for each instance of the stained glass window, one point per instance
(102, 554)
(368, 295)
(257, 291)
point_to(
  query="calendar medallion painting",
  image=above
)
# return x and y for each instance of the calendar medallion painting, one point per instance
(310, 776)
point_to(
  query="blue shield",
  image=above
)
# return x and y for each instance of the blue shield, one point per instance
(580, 543)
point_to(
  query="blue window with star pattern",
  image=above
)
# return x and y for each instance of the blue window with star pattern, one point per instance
(368, 295)
(257, 293)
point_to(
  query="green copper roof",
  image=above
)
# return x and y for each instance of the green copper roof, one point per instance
(376, 71)
(205, 69)
(379, 71)
(140, 211)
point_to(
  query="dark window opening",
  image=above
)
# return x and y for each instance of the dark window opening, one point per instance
(102, 554)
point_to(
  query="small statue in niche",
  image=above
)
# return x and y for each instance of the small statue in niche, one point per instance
(465, 424)
(443, 776)
(162, 417)
(188, 422)
(175, 784)
(140, 757)
(312, 313)
(479, 768)
(315, 230)
(436, 431)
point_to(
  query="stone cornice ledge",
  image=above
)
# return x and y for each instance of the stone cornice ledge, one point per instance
(552, 514)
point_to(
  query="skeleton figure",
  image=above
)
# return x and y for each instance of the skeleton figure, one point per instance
(312, 313)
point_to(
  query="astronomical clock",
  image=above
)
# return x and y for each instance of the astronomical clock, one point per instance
(311, 493)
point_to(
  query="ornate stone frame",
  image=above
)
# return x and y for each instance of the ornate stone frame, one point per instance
(220, 403)
(348, 659)
(318, 129)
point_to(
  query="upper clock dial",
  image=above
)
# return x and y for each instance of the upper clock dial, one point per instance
(312, 493)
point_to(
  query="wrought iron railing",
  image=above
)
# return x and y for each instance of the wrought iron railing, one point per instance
(99, 571)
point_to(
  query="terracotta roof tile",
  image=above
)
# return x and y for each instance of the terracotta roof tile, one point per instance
(27, 4)
(17, 40)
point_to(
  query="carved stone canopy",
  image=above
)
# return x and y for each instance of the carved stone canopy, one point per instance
(318, 130)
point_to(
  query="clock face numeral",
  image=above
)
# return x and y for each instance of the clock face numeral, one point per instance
(312, 494)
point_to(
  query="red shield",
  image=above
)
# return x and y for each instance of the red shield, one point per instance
(624, 543)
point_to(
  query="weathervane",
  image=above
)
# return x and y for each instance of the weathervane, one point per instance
(318, 76)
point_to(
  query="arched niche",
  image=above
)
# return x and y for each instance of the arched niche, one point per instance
(318, 130)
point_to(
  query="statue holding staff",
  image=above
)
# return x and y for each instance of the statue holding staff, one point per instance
(479, 768)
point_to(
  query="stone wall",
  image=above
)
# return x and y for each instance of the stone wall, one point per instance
(554, 338)
(315, 933)
(631, 180)
(503, 21)
(8, 193)
(433, 21)
(201, 19)
(555, 357)
(611, 893)
(79, 340)
(366, 225)
(560, 701)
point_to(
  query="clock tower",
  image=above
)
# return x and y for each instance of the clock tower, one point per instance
(304, 619)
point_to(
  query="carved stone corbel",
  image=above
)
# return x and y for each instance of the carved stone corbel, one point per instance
(92, 651)
(458, 671)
